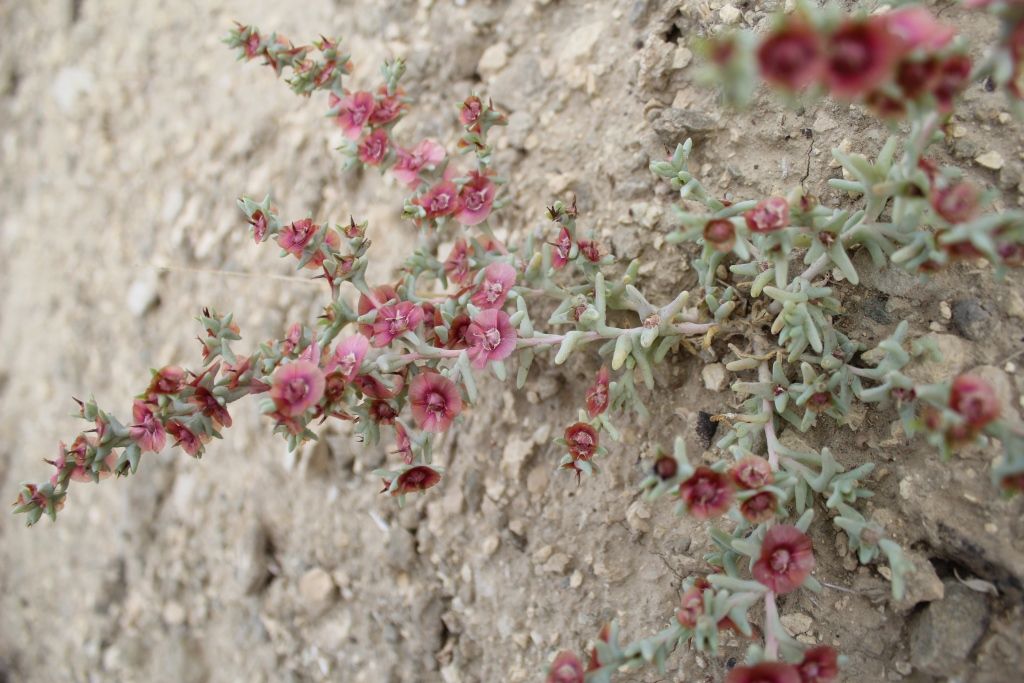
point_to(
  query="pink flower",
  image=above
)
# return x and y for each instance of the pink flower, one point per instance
(471, 111)
(490, 336)
(374, 388)
(382, 295)
(759, 508)
(860, 57)
(297, 387)
(721, 234)
(475, 199)
(597, 395)
(820, 665)
(293, 238)
(426, 155)
(786, 559)
(974, 400)
(582, 440)
(706, 493)
(168, 380)
(353, 112)
(435, 401)
(387, 107)
(186, 438)
(752, 472)
(917, 76)
(383, 412)
(561, 249)
(566, 668)
(791, 57)
(403, 443)
(916, 27)
(768, 216)
(416, 479)
(498, 278)
(440, 200)
(457, 263)
(957, 203)
(765, 672)
(258, 221)
(348, 357)
(374, 148)
(146, 431)
(394, 320)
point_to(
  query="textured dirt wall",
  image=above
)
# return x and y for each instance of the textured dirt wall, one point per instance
(129, 130)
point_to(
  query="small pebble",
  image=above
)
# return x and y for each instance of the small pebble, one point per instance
(992, 160)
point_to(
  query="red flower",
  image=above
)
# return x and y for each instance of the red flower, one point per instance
(791, 57)
(146, 431)
(374, 388)
(759, 508)
(597, 395)
(471, 111)
(582, 440)
(475, 199)
(957, 203)
(885, 105)
(457, 264)
(427, 154)
(666, 467)
(393, 320)
(820, 665)
(416, 479)
(951, 80)
(387, 107)
(490, 336)
(440, 200)
(691, 607)
(297, 387)
(860, 57)
(721, 234)
(765, 672)
(375, 147)
(186, 438)
(752, 472)
(435, 401)
(706, 493)
(591, 250)
(353, 112)
(565, 669)
(498, 278)
(293, 238)
(786, 559)
(916, 77)
(768, 216)
(211, 407)
(974, 400)
(403, 443)
(382, 412)
(457, 332)
(562, 247)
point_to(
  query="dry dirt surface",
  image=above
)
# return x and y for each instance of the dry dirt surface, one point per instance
(127, 132)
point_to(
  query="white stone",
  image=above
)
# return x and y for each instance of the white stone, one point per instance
(493, 60)
(715, 377)
(729, 14)
(992, 160)
(316, 587)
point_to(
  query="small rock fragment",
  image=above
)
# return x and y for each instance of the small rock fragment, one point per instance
(493, 60)
(729, 14)
(316, 588)
(945, 632)
(715, 376)
(991, 160)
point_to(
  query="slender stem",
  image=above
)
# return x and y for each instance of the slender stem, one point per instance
(771, 615)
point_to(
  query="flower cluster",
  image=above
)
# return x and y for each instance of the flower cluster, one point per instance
(402, 362)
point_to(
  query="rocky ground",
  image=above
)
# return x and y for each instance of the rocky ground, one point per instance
(129, 130)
